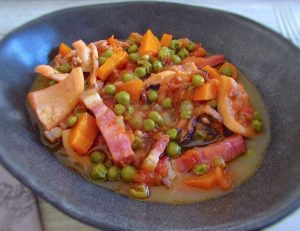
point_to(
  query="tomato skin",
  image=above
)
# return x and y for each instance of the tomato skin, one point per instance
(234, 107)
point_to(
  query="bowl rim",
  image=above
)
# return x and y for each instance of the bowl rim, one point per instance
(258, 221)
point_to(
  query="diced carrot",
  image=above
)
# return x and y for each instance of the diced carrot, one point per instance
(206, 181)
(215, 177)
(198, 52)
(212, 72)
(165, 40)
(112, 41)
(133, 87)
(119, 57)
(208, 91)
(149, 43)
(53, 104)
(233, 69)
(64, 49)
(83, 133)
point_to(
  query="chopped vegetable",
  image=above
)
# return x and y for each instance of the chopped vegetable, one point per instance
(109, 89)
(111, 63)
(212, 72)
(113, 173)
(64, 49)
(149, 43)
(152, 96)
(200, 169)
(127, 173)
(198, 80)
(149, 125)
(119, 109)
(123, 98)
(83, 133)
(207, 91)
(71, 121)
(140, 72)
(229, 70)
(164, 53)
(173, 149)
(99, 172)
(172, 133)
(167, 103)
(166, 40)
(157, 65)
(97, 157)
(134, 88)
(140, 191)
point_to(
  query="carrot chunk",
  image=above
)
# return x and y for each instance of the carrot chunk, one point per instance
(112, 63)
(149, 43)
(133, 87)
(212, 72)
(208, 91)
(165, 40)
(83, 133)
(64, 49)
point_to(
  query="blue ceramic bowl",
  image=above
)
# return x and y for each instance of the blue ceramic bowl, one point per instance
(271, 62)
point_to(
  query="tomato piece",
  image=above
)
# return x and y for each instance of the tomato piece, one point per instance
(234, 107)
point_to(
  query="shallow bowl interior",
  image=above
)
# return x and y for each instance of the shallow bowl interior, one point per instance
(270, 62)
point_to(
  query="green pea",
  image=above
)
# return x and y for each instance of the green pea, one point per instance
(136, 122)
(157, 65)
(102, 60)
(130, 109)
(186, 105)
(133, 48)
(172, 52)
(65, 68)
(156, 117)
(152, 96)
(127, 173)
(226, 71)
(140, 72)
(140, 192)
(164, 53)
(198, 80)
(175, 44)
(78, 115)
(149, 125)
(113, 173)
(109, 89)
(200, 135)
(186, 114)
(172, 133)
(52, 82)
(213, 103)
(142, 59)
(148, 67)
(137, 143)
(183, 53)
(123, 98)
(97, 157)
(134, 57)
(190, 46)
(219, 162)
(200, 169)
(173, 149)
(176, 59)
(119, 109)
(108, 53)
(71, 121)
(99, 172)
(127, 77)
(167, 103)
(257, 125)
(257, 116)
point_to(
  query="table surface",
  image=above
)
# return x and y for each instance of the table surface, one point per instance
(15, 13)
